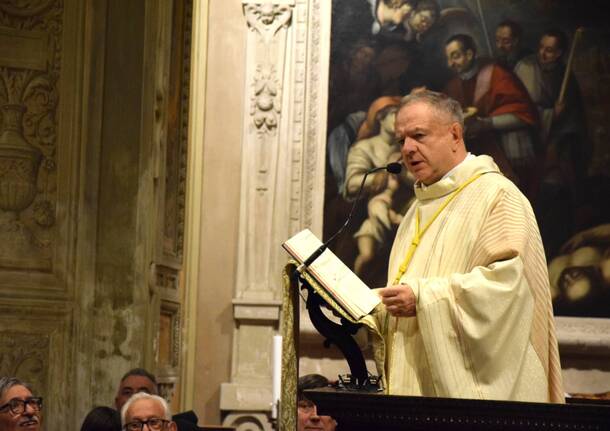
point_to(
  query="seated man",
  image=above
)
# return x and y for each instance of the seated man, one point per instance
(308, 418)
(135, 380)
(140, 380)
(18, 408)
(146, 409)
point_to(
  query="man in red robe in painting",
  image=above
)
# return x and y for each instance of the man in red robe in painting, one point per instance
(501, 119)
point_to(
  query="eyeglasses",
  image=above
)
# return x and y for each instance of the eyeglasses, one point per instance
(154, 424)
(18, 406)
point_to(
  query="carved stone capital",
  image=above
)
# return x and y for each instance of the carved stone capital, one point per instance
(267, 17)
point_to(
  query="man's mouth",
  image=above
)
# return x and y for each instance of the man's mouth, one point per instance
(29, 423)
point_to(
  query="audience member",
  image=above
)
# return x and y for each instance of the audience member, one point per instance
(102, 419)
(18, 408)
(146, 409)
(135, 380)
(308, 418)
(140, 380)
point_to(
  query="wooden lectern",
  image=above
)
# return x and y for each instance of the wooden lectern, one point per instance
(358, 411)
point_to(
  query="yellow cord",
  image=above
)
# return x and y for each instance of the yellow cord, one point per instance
(417, 236)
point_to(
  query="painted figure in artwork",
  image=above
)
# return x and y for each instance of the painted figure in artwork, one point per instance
(505, 124)
(386, 191)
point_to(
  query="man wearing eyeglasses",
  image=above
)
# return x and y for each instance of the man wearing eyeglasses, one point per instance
(19, 410)
(146, 412)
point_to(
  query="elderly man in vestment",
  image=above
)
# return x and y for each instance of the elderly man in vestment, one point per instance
(505, 122)
(467, 312)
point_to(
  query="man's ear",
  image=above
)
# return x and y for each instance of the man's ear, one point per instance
(173, 426)
(457, 135)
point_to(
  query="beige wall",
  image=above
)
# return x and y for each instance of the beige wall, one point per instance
(220, 179)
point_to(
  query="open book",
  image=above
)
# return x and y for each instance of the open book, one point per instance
(337, 280)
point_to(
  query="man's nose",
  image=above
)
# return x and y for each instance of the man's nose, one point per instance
(314, 417)
(407, 147)
(29, 409)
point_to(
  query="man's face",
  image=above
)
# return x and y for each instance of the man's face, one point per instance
(548, 50)
(308, 418)
(145, 409)
(505, 41)
(458, 59)
(28, 420)
(432, 144)
(132, 385)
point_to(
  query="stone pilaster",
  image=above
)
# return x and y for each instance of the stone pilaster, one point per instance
(283, 139)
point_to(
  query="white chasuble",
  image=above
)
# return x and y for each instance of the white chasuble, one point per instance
(484, 324)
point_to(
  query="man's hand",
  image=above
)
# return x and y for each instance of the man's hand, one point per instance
(399, 300)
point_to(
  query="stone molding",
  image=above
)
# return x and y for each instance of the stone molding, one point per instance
(261, 311)
(248, 422)
(583, 336)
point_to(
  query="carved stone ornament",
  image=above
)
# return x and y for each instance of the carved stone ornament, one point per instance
(29, 75)
(248, 422)
(267, 18)
(265, 102)
(25, 356)
(25, 8)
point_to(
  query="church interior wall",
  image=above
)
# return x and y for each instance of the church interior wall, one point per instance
(113, 313)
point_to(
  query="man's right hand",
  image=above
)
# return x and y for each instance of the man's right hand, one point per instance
(399, 300)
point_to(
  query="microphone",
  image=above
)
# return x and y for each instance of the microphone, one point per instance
(393, 168)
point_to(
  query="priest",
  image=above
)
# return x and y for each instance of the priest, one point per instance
(467, 312)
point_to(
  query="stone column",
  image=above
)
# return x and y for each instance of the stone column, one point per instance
(283, 139)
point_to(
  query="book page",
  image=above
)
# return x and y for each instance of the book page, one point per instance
(336, 277)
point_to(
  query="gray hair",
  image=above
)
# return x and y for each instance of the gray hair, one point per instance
(142, 373)
(8, 382)
(438, 101)
(144, 396)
